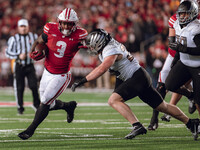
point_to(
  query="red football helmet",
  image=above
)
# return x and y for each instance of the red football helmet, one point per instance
(68, 15)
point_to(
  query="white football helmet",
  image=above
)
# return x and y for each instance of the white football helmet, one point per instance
(68, 15)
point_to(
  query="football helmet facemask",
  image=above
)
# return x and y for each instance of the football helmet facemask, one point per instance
(97, 40)
(69, 16)
(191, 10)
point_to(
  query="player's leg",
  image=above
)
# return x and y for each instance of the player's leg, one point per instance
(177, 72)
(180, 72)
(54, 89)
(154, 119)
(128, 90)
(69, 107)
(161, 89)
(51, 87)
(174, 100)
(192, 105)
(117, 102)
(175, 112)
(40, 115)
(153, 99)
(196, 86)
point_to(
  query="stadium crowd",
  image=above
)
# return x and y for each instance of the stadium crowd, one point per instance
(141, 25)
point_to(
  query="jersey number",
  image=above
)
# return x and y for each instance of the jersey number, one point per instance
(61, 51)
(182, 40)
(129, 56)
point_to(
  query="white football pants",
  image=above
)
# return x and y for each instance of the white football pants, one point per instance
(166, 68)
(52, 85)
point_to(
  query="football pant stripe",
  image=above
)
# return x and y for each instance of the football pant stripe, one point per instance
(61, 89)
(64, 87)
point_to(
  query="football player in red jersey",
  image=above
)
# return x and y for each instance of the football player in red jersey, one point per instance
(63, 40)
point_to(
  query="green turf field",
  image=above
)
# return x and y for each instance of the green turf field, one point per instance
(96, 126)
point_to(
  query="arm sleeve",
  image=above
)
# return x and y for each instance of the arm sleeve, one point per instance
(171, 39)
(45, 37)
(195, 50)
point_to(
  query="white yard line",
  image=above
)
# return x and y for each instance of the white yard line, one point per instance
(137, 139)
(13, 104)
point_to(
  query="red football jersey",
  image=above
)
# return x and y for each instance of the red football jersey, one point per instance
(171, 23)
(62, 48)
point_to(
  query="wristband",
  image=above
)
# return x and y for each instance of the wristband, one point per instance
(83, 80)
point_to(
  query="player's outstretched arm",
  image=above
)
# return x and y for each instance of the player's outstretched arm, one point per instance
(77, 84)
(97, 72)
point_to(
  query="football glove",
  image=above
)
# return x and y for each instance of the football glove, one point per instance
(77, 84)
(113, 72)
(36, 55)
(178, 47)
(173, 45)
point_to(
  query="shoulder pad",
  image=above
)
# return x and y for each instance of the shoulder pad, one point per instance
(195, 28)
(49, 26)
(82, 33)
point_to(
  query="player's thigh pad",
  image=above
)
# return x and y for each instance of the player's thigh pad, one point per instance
(177, 77)
(51, 86)
(151, 97)
(135, 85)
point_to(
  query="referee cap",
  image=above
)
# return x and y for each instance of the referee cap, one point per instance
(22, 22)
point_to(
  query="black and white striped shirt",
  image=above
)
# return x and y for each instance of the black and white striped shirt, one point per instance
(19, 44)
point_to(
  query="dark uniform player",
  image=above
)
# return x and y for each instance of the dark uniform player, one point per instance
(131, 81)
(19, 47)
(187, 44)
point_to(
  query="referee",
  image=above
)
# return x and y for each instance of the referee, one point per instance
(19, 46)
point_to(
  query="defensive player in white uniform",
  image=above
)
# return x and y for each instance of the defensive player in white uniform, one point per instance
(186, 90)
(131, 81)
(187, 45)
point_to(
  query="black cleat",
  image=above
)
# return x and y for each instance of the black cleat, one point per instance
(69, 108)
(192, 106)
(166, 118)
(153, 125)
(20, 111)
(194, 128)
(137, 130)
(25, 135)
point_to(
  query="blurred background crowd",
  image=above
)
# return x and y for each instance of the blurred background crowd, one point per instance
(141, 25)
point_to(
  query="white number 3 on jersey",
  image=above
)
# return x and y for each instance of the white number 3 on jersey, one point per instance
(61, 51)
